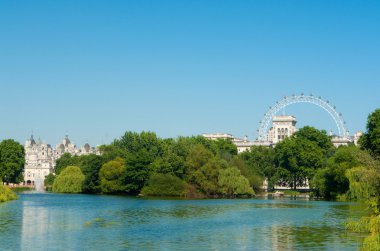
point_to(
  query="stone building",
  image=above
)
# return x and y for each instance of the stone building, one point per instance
(40, 157)
(283, 127)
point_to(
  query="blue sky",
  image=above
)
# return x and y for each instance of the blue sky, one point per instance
(95, 69)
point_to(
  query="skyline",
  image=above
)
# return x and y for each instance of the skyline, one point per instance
(181, 68)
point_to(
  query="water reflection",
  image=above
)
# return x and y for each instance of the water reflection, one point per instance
(84, 222)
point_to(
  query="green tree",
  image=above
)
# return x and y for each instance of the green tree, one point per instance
(232, 183)
(64, 161)
(90, 166)
(49, 181)
(70, 180)
(299, 157)
(112, 176)
(12, 160)
(261, 161)
(197, 158)
(254, 178)
(207, 176)
(160, 184)
(371, 139)
(138, 170)
(320, 137)
(331, 180)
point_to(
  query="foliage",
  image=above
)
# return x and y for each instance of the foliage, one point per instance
(64, 161)
(90, 166)
(6, 194)
(364, 183)
(371, 139)
(138, 169)
(232, 183)
(298, 158)
(160, 184)
(254, 178)
(49, 181)
(259, 162)
(12, 160)
(112, 176)
(331, 181)
(70, 180)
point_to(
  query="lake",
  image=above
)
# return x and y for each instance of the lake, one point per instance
(47, 221)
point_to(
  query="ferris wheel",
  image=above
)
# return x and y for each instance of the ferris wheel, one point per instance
(289, 100)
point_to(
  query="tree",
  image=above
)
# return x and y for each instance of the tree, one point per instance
(70, 180)
(332, 180)
(260, 160)
(49, 181)
(320, 137)
(12, 160)
(138, 169)
(255, 179)
(206, 177)
(112, 176)
(197, 158)
(64, 161)
(232, 183)
(90, 166)
(300, 157)
(160, 184)
(371, 139)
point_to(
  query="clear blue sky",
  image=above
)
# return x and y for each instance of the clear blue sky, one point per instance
(95, 69)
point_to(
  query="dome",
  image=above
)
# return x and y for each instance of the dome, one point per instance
(87, 147)
(66, 141)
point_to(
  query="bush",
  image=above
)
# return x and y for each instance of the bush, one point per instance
(164, 185)
(112, 176)
(70, 180)
(6, 194)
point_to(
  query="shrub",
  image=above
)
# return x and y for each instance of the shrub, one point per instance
(164, 185)
(70, 180)
(6, 194)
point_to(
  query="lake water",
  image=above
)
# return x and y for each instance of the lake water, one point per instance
(45, 221)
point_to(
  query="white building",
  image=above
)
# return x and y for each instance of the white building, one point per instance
(39, 160)
(40, 157)
(241, 144)
(282, 127)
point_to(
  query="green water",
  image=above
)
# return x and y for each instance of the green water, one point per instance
(91, 222)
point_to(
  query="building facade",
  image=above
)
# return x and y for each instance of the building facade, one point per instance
(282, 127)
(40, 157)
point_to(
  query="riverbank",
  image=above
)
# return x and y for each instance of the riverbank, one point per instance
(6, 194)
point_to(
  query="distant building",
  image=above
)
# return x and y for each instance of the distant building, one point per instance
(283, 127)
(241, 144)
(39, 160)
(40, 157)
(357, 137)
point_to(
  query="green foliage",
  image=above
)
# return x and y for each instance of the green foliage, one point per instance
(138, 169)
(260, 162)
(364, 183)
(112, 176)
(6, 194)
(371, 139)
(64, 161)
(254, 178)
(90, 166)
(232, 183)
(49, 181)
(160, 184)
(70, 180)
(12, 160)
(299, 157)
(331, 181)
